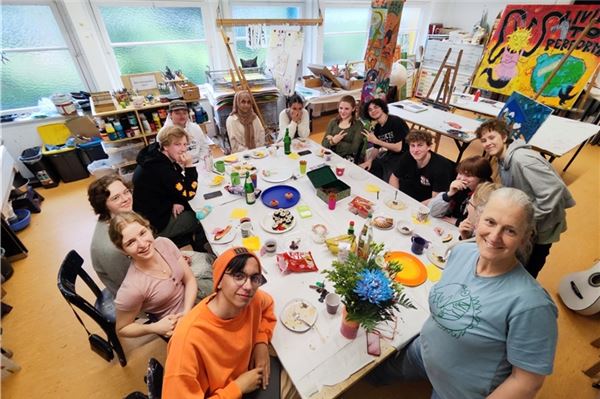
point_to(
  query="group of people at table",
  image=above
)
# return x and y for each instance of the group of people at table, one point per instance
(492, 330)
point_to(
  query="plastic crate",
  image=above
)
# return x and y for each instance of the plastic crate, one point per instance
(54, 134)
(68, 164)
(42, 169)
(121, 152)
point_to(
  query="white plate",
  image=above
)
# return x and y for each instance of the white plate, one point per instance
(385, 222)
(404, 223)
(259, 154)
(277, 175)
(298, 315)
(227, 238)
(435, 254)
(267, 224)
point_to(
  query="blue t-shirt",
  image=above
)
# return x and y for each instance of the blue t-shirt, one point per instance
(480, 327)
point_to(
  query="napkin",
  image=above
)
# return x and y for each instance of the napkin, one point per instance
(251, 243)
(238, 213)
(373, 188)
(293, 155)
(433, 273)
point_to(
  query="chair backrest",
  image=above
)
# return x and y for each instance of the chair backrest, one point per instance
(70, 269)
(154, 378)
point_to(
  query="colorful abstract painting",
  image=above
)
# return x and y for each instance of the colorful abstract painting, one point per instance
(528, 44)
(379, 56)
(523, 115)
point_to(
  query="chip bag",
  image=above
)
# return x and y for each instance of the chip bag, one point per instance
(296, 262)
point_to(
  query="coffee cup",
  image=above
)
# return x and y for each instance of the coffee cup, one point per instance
(418, 244)
(235, 179)
(339, 169)
(327, 155)
(220, 166)
(246, 228)
(271, 246)
(332, 302)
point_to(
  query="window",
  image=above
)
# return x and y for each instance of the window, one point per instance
(345, 34)
(409, 28)
(247, 11)
(147, 39)
(36, 61)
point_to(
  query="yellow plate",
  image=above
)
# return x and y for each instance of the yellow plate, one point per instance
(413, 271)
(231, 158)
(217, 180)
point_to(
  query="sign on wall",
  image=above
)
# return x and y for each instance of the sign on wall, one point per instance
(527, 46)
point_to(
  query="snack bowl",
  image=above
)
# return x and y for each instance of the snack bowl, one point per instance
(404, 227)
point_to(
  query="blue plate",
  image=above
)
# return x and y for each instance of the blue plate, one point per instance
(278, 193)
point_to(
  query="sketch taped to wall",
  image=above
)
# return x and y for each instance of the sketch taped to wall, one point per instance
(283, 58)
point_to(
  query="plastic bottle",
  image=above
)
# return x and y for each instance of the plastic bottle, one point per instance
(110, 131)
(287, 142)
(119, 129)
(332, 201)
(477, 94)
(249, 190)
(156, 120)
(145, 123)
(208, 161)
(365, 238)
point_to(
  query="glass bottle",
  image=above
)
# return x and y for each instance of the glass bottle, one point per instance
(287, 142)
(365, 238)
(249, 190)
(351, 228)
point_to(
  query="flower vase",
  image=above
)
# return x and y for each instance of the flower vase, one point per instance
(349, 328)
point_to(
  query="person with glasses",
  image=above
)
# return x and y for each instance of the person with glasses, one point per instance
(220, 348)
(452, 204)
(108, 196)
(158, 280)
(386, 135)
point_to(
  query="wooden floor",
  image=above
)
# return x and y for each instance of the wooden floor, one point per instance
(56, 361)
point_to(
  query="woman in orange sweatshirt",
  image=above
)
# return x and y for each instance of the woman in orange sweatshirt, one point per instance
(219, 349)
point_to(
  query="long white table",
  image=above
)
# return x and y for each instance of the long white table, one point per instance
(321, 362)
(440, 122)
(555, 137)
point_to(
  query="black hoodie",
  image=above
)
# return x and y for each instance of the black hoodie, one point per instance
(158, 184)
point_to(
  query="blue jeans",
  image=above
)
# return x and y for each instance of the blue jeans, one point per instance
(407, 364)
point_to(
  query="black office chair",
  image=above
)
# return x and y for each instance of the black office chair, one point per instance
(103, 310)
(153, 379)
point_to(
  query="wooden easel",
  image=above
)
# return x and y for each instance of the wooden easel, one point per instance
(450, 72)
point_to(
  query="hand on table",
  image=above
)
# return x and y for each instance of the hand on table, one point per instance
(177, 209)
(260, 359)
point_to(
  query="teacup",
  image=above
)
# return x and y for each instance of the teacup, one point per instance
(271, 246)
(422, 214)
(339, 169)
(418, 244)
(332, 302)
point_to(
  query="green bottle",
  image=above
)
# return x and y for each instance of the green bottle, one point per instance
(249, 190)
(287, 142)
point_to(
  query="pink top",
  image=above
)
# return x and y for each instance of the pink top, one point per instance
(157, 296)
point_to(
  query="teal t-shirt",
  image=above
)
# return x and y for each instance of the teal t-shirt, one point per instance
(480, 327)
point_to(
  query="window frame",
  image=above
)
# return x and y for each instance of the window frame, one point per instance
(71, 45)
(108, 46)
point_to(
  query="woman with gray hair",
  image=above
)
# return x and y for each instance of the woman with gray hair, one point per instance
(490, 318)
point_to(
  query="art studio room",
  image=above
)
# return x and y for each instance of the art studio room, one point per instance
(309, 199)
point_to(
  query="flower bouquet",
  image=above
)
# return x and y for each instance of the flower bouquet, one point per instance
(368, 290)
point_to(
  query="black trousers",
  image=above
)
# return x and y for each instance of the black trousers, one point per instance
(537, 258)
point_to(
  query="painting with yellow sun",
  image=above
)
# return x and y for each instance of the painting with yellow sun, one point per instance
(529, 43)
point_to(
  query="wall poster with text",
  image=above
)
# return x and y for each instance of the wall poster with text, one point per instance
(528, 44)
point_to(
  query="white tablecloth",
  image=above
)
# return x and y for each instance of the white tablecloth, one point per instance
(321, 356)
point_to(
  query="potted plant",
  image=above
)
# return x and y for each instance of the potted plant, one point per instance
(369, 291)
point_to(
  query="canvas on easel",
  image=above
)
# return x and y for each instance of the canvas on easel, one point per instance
(523, 115)
(528, 45)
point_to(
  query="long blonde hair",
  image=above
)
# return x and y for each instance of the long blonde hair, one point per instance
(118, 224)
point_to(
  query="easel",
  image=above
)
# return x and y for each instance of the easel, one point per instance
(450, 72)
(242, 83)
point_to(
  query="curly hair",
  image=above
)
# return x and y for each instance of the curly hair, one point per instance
(419, 135)
(120, 221)
(377, 101)
(98, 194)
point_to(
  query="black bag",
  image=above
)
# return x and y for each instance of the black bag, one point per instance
(101, 347)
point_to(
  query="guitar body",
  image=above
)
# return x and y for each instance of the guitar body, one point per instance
(581, 291)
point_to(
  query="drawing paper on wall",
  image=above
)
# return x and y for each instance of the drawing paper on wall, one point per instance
(283, 57)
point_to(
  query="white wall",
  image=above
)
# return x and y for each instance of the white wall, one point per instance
(464, 14)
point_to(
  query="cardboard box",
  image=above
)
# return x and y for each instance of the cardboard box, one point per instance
(188, 91)
(311, 81)
(324, 180)
(103, 101)
(351, 84)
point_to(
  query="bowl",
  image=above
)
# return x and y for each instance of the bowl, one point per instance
(404, 227)
(23, 219)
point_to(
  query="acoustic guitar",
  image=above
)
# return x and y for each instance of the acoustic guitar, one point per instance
(580, 291)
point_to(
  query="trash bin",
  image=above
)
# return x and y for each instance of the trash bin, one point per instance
(66, 159)
(92, 151)
(40, 167)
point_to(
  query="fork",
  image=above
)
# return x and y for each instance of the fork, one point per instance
(297, 317)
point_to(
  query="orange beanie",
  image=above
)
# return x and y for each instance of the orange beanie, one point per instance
(221, 263)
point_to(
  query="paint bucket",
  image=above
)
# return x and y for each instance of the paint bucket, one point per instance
(64, 104)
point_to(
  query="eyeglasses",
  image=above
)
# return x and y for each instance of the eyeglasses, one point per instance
(119, 197)
(240, 279)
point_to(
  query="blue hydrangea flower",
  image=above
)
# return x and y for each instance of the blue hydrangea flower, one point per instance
(374, 287)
